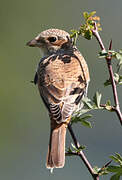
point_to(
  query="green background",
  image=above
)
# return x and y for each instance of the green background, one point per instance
(24, 122)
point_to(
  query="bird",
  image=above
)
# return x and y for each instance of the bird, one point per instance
(62, 77)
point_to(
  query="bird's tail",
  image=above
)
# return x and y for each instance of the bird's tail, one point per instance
(56, 149)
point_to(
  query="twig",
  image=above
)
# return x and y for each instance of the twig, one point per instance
(108, 61)
(116, 108)
(71, 154)
(82, 155)
(105, 166)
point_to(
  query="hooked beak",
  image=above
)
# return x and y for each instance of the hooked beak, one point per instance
(32, 43)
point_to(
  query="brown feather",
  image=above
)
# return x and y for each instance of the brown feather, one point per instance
(62, 82)
(62, 77)
(56, 149)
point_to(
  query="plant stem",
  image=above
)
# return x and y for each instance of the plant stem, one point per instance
(108, 61)
(96, 34)
(82, 155)
(116, 108)
(116, 100)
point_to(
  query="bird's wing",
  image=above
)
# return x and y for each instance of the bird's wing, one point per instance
(62, 82)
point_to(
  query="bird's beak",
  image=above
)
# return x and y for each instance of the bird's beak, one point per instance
(32, 43)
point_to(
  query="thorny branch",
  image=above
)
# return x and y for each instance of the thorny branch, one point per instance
(116, 108)
(82, 155)
(109, 65)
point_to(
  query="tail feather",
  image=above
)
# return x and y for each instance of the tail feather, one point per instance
(56, 149)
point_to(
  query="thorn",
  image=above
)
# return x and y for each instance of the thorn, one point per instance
(110, 45)
(107, 164)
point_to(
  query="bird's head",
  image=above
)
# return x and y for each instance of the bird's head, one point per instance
(51, 40)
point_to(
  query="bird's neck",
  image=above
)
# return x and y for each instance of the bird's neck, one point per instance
(49, 50)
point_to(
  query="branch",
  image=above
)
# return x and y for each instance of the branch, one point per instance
(108, 61)
(82, 155)
(105, 166)
(87, 30)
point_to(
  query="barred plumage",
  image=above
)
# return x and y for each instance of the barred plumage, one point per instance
(62, 77)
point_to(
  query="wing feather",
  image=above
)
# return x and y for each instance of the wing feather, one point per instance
(62, 81)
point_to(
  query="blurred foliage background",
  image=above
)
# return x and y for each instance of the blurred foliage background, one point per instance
(24, 126)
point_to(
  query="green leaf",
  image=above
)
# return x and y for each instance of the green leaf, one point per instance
(120, 79)
(81, 112)
(103, 54)
(85, 15)
(77, 150)
(97, 99)
(87, 102)
(86, 124)
(119, 156)
(120, 51)
(113, 53)
(69, 149)
(114, 158)
(119, 57)
(96, 169)
(82, 147)
(69, 152)
(73, 146)
(116, 77)
(117, 159)
(86, 28)
(74, 35)
(108, 106)
(107, 82)
(108, 103)
(88, 34)
(114, 169)
(92, 13)
(115, 177)
(87, 116)
(82, 120)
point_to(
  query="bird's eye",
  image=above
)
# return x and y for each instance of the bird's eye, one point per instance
(52, 39)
